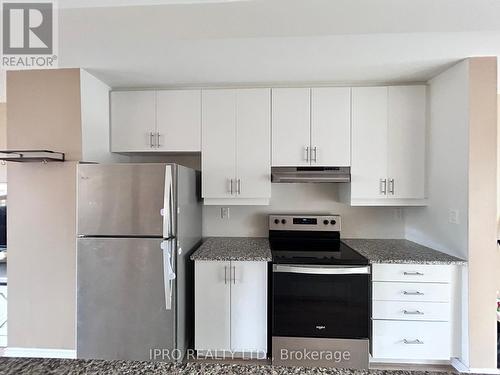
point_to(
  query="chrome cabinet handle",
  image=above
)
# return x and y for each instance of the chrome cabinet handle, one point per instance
(417, 293)
(225, 274)
(416, 273)
(231, 186)
(158, 145)
(383, 186)
(321, 270)
(315, 151)
(413, 342)
(239, 186)
(307, 153)
(234, 275)
(151, 140)
(391, 186)
(416, 312)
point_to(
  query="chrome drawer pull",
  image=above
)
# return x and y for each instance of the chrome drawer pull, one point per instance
(413, 342)
(416, 312)
(417, 293)
(416, 273)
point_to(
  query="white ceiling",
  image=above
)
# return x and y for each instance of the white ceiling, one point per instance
(209, 42)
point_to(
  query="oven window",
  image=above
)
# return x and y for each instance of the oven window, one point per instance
(333, 306)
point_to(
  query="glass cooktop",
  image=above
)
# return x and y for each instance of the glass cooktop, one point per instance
(309, 250)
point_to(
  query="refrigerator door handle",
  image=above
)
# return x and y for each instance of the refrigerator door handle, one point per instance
(168, 204)
(168, 273)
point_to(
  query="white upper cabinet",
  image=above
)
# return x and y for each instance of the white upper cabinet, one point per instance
(133, 120)
(388, 146)
(179, 120)
(218, 143)
(331, 126)
(406, 137)
(291, 126)
(312, 127)
(253, 140)
(165, 121)
(369, 143)
(236, 156)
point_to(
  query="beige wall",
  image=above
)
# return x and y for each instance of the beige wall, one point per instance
(43, 113)
(42, 255)
(483, 250)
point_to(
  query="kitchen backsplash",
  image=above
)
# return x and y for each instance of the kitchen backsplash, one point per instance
(357, 222)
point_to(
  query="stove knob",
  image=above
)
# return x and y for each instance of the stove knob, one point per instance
(333, 222)
(283, 221)
(276, 221)
(325, 222)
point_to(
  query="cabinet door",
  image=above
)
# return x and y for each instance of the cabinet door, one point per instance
(218, 157)
(179, 120)
(212, 305)
(331, 126)
(291, 126)
(406, 142)
(133, 120)
(253, 143)
(369, 142)
(249, 306)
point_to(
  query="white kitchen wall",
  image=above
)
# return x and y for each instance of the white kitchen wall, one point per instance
(366, 222)
(447, 165)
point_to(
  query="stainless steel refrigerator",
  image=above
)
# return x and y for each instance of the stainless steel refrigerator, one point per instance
(137, 225)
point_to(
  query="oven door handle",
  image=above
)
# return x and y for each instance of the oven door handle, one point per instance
(322, 270)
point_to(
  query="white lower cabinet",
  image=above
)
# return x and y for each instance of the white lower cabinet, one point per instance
(231, 306)
(411, 312)
(411, 340)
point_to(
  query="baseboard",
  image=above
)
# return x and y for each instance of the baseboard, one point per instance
(39, 353)
(461, 367)
(408, 361)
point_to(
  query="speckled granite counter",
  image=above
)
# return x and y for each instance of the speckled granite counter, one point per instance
(33, 366)
(234, 248)
(400, 251)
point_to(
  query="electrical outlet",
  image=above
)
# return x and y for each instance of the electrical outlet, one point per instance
(398, 213)
(453, 216)
(224, 212)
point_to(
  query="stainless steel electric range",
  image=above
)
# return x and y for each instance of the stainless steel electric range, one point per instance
(320, 294)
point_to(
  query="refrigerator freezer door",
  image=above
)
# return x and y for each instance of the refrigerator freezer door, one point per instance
(122, 199)
(121, 302)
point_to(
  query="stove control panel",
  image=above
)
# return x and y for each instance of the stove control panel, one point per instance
(330, 223)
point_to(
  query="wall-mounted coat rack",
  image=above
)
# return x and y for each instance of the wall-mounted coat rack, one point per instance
(31, 156)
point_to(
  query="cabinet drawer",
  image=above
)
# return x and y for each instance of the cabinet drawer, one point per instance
(398, 340)
(412, 273)
(425, 292)
(399, 310)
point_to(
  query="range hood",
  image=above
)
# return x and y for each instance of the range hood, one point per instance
(310, 174)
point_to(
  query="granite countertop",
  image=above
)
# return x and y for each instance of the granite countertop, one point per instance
(38, 366)
(400, 251)
(234, 248)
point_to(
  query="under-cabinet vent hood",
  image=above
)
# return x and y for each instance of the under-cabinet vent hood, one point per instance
(310, 174)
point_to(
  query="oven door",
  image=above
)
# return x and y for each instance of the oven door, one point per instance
(321, 301)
